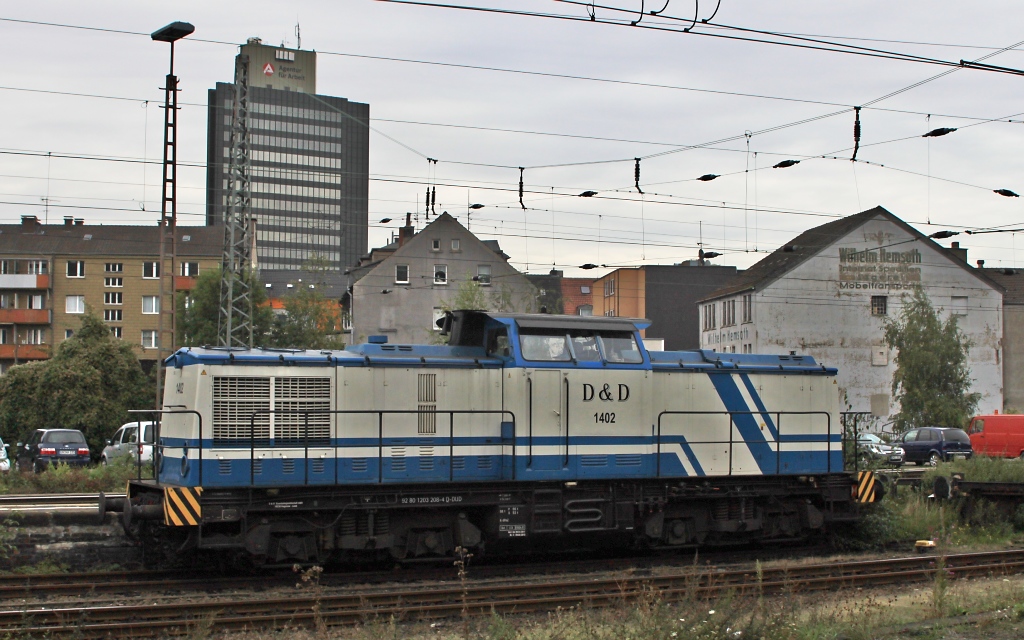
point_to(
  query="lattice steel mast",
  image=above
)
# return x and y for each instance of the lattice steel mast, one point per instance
(234, 325)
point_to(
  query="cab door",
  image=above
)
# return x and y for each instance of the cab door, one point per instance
(547, 441)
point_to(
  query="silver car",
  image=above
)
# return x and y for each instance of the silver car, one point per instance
(871, 448)
(5, 462)
(127, 442)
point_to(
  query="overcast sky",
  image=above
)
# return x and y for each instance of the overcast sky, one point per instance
(449, 112)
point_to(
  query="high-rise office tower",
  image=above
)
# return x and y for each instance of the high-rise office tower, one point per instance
(309, 173)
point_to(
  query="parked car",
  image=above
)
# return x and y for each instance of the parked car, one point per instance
(871, 448)
(5, 462)
(126, 442)
(998, 435)
(49, 446)
(929, 445)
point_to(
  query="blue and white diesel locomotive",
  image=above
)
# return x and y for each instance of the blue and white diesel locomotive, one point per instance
(523, 429)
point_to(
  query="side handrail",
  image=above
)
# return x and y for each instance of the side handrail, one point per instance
(380, 432)
(158, 445)
(731, 415)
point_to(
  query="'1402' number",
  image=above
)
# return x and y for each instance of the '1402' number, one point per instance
(605, 417)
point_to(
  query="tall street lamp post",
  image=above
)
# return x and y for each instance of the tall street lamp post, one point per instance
(168, 203)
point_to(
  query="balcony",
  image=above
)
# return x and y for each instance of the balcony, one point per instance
(184, 283)
(25, 316)
(23, 352)
(23, 281)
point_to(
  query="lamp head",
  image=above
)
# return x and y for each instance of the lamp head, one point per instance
(173, 31)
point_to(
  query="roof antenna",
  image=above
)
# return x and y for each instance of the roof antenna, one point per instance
(298, 36)
(636, 176)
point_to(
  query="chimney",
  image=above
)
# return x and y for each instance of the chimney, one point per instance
(957, 251)
(981, 264)
(79, 222)
(68, 221)
(407, 232)
(29, 222)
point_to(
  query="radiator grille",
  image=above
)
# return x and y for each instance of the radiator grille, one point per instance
(292, 397)
(235, 401)
(426, 387)
(426, 419)
(426, 396)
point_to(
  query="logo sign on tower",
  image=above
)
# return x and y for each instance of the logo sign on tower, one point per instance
(268, 69)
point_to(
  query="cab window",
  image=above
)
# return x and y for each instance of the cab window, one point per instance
(620, 346)
(544, 347)
(584, 346)
(497, 343)
(978, 426)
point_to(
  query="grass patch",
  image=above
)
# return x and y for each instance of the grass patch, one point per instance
(978, 469)
(66, 479)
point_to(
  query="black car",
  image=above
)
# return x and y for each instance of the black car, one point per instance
(929, 445)
(49, 446)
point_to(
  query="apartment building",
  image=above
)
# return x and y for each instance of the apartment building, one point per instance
(51, 274)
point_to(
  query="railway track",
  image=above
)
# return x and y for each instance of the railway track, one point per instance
(322, 605)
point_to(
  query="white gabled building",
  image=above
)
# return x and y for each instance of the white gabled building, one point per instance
(826, 292)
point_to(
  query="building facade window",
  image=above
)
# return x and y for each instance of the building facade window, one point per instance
(113, 297)
(35, 336)
(610, 313)
(5, 335)
(76, 268)
(34, 301)
(74, 304)
(435, 245)
(114, 267)
(456, 245)
(748, 307)
(879, 305)
(729, 313)
(189, 269)
(958, 306)
(585, 310)
(440, 274)
(609, 287)
(113, 282)
(401, 274)
(68, 333)
(150, 304)
(585, 290)
(149, 339)
(150, 270)
(113, 315)
(483, 274)
(116, 332)
(709, 317)
(38, 267)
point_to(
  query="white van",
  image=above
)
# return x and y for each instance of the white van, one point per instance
(127, 442)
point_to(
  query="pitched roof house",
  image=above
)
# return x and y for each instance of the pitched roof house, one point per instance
(826, 293)
(400, 290)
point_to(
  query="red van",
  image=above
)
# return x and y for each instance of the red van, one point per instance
(998, 435)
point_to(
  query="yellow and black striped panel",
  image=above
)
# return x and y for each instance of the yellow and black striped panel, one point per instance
(866, 486)
(182, 507)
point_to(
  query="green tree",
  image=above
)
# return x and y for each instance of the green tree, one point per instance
(469, 295)
(198, 311)
(932, 380)
(90, 384)
(309, 320)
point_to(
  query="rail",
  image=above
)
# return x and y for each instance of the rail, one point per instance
(774, 429)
